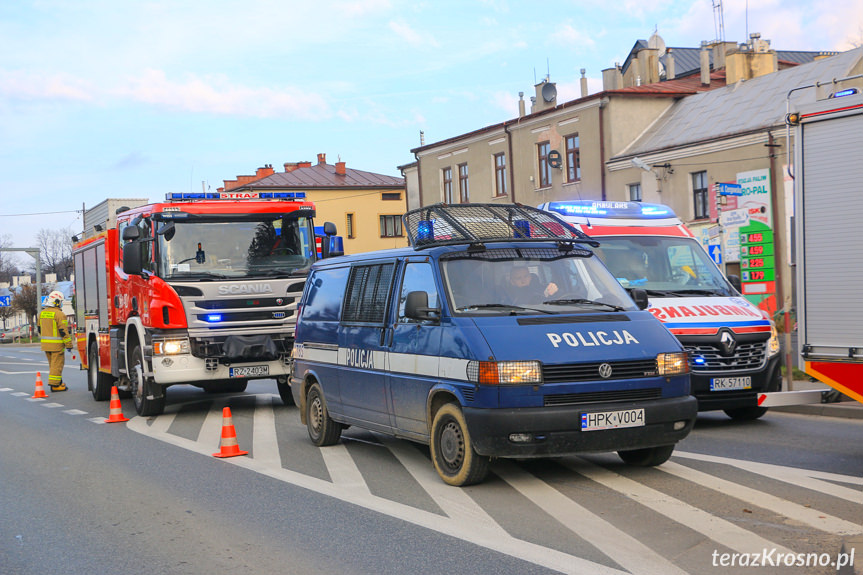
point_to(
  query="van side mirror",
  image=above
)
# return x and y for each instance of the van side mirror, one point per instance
(132, 262)
(417, 307)
(735, 282)
(639, 296)
(330, 229)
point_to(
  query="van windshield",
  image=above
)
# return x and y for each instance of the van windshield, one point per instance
(663, 265)
(250, 247)
(530, 280)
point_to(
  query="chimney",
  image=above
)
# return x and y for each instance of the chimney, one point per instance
(705, 63)
(267, 170)
(669, 65)
(305, 164)
(521, 104)
(583, 83)
(648, 59)
(546, 95)
(340, 169)
(322, 159)
(612, 78)
(291, 166)
(750, 60)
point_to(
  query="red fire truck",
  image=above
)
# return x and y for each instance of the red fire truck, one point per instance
(201, 289)
(828, 139)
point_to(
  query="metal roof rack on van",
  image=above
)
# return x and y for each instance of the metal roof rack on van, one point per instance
(475, 224)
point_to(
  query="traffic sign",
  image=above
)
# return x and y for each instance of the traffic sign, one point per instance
(5, 300)
(715, 252)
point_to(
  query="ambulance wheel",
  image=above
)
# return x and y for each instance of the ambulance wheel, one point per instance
(98, 382)
(452, 449)
(140, 387)
(322, 430)
(647, 457)
(285, 392)
(745, 413)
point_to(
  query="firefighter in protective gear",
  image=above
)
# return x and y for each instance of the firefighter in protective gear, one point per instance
(55, 336)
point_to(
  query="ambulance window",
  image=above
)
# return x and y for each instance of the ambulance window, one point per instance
(418, 277)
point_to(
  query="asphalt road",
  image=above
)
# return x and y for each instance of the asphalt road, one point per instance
(82, 496)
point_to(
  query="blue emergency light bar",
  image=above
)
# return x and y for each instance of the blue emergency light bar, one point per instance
(225, 196)
(598, 209)
(214, 317)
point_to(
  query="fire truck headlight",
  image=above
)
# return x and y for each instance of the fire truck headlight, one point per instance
(773, 343)
(171, 347)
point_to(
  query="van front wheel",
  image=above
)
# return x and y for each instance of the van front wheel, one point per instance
(322, 429)
(452, 449)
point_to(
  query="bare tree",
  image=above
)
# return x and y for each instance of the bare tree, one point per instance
(55, 250)
(5, 313)
(24, 300)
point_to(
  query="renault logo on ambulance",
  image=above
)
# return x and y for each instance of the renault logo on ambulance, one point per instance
(727, 342)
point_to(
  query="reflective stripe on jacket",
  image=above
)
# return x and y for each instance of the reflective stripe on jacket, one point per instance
(54, 330)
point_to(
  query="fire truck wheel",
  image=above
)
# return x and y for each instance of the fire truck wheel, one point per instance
(647, 457)
(98, 382)
(140, 387)
(745, 413)
(285, 393)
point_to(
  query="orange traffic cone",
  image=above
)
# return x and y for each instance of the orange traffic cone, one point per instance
(40, 389)
(115, 414)
(228, 446)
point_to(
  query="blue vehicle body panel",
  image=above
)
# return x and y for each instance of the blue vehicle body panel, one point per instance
(382, 374)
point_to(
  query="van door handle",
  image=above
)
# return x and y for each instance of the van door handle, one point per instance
(386, 337)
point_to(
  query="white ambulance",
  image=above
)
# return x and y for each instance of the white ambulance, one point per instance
(733, 346)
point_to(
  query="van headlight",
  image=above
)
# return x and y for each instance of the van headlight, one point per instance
(505, 372)
(773, 343)
(171, 346)
(676, 363)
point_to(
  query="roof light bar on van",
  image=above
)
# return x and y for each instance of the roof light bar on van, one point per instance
(623, 210)
(478, 224)
(230, 196)
(505, 372)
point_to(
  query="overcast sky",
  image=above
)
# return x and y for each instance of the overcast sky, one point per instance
(128, 99)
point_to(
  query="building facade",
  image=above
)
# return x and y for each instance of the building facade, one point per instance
(366, 207)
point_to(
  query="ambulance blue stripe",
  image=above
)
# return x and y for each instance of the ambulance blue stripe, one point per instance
(759, 323)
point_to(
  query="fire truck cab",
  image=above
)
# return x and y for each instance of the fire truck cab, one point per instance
(201, 289)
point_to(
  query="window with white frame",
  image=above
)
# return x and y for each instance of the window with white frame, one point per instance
(500, 174)
(634, 192)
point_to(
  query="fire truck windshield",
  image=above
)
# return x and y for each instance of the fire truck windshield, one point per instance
(233, 249)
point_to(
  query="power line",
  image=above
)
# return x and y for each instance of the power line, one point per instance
(39, 214)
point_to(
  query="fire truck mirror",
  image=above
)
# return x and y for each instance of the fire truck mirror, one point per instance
(131, 233)
(168, 230)
(132, 257)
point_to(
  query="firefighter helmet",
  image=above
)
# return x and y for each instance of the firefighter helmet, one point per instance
(55, 298)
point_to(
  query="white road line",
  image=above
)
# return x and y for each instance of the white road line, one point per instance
(265, 444)
(456, 503)
(161, 423)
(505, 544)
(75, 412)
(342, 468)
(714, 528)
(20, 394)
(812, 517)
(53, 405)
(6, 389)
(35, 399)
(211, 431)
(99, 420)
(808, 479)
(621, 547)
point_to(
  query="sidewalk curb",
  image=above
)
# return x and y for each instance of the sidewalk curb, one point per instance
(852, 545)
(845, 409)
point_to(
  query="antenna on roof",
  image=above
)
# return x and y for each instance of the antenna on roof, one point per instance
(719, 20)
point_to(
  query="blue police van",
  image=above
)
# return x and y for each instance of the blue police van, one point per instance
(498, 333)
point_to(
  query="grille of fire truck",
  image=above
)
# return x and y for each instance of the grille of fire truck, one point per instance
(746, 356)
(244, 303)
(590, 371)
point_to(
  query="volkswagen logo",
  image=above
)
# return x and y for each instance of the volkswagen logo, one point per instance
(605, 370)
(727, 343)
